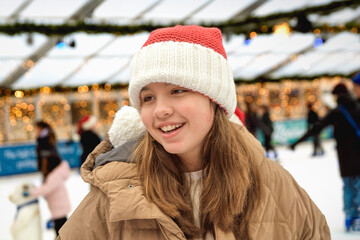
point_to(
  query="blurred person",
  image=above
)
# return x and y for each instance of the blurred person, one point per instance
(312, 118)
(190, 172)
(266, 126)
(55, 172)
(88, 137)
(348, 149)
(356, 86)
(251, 120)
(45, 143)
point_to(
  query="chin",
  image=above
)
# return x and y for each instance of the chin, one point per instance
(172, 149)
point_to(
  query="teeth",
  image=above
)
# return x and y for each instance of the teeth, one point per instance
(170, 127)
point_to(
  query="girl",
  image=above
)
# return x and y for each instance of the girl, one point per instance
(55, 172)
(194, 174)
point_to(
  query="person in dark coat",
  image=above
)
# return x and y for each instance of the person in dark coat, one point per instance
(88, 138)
(312, 118)
(46, 150)
(348, 149)
(251, 118)
(266, 126)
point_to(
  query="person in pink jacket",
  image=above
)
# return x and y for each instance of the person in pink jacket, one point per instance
(55, 172)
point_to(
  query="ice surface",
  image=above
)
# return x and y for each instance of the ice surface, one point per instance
(319, 176)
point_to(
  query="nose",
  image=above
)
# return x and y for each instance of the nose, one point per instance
(163, 108)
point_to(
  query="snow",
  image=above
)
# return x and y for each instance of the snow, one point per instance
(319, 176)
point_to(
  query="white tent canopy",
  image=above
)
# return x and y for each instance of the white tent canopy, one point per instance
(104, 58)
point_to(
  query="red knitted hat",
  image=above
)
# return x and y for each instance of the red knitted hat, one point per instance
(206, 37)
(188, 56)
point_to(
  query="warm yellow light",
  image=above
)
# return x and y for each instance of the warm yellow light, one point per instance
(24, 105)
(31, 107)
(67, 107)
(125, 102)
(83, 104)
(249, 99)
(26, 119)
(18, 114)
(283, 29)
(45, 90)
(107, 86)
(29, 128)
(95, 86)
(19, 94)
(111, 113)
(30, 63)
(262, 91)
(253, 35)
(264, 28)
(55, 108)
(317, 31)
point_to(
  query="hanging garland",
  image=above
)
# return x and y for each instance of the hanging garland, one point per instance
(66, 29)
(250, 24)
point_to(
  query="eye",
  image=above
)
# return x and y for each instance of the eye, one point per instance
(179, 90)
(147, 99)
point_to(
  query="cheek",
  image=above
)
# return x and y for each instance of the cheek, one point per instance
(209, 116)
(146, 117)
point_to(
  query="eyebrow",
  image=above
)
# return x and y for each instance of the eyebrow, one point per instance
(146, 88)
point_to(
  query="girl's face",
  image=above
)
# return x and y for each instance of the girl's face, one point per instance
(177, 118)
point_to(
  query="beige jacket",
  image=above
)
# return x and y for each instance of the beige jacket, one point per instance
(116, 209)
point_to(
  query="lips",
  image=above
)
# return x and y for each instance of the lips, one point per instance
(170, 128)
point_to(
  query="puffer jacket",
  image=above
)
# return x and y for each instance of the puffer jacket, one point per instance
(116, 208)
(55, 192)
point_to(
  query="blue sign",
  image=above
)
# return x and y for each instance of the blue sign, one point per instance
(16, 159)
(288, 131)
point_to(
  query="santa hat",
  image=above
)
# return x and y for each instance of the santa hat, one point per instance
(192, 57)
(86, 123)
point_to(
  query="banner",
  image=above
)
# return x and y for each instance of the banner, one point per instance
(287, 132)
(21, 158)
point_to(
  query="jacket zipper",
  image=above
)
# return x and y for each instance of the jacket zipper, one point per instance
(162, 230)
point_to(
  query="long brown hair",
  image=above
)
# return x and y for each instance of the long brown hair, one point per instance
(231, 183)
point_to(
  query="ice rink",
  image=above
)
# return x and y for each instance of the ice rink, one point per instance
(319, 176)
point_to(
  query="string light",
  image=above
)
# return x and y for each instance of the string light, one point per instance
(282, 29)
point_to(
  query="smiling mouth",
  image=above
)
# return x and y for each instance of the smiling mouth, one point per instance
(170, 128)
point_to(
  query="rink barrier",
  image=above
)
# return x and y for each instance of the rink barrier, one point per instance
(288, 131)
(21, 158)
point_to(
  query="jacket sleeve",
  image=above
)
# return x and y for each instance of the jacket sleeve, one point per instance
(90, 220)
(306, 221)
(318, 126)
(288, 207)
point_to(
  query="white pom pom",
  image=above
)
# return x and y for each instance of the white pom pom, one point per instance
(127, 125)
